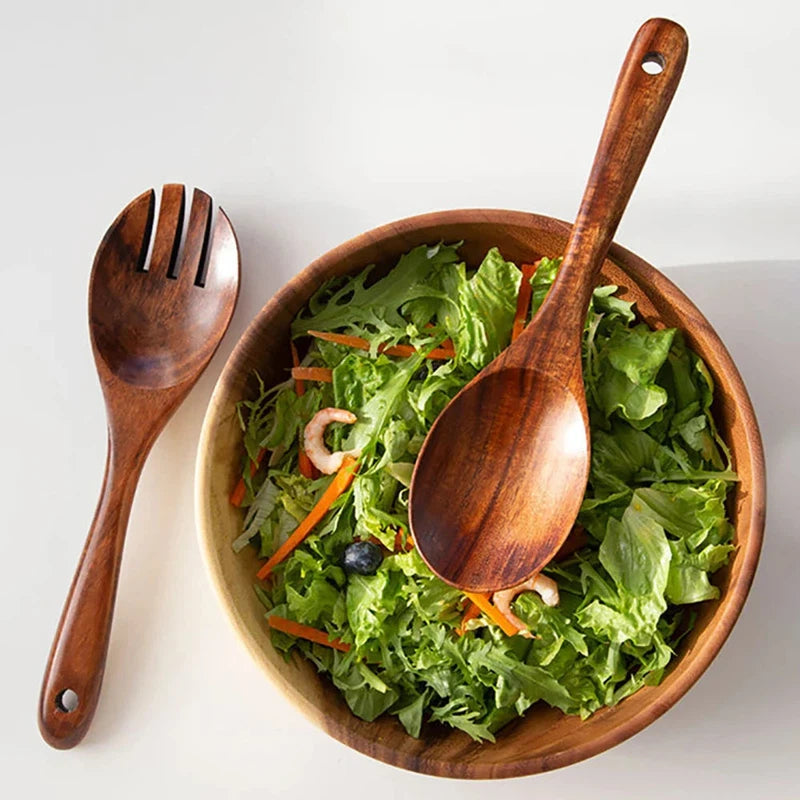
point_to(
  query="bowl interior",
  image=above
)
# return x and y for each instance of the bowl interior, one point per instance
(544, 738)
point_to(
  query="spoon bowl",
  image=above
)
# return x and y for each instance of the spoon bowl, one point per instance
(503, 443)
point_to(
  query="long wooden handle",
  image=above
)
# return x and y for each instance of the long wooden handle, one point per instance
(74, 673)
(647, 82)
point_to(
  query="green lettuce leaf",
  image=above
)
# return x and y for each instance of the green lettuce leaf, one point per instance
(352, 304)
(486, 305)
(654, 508)
(636, 555)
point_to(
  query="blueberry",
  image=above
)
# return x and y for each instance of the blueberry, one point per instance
(362, 557)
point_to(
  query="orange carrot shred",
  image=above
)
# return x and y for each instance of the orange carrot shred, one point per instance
(307, 469)
(337, 486)
(299, 387)
(306, 632)
(523, 300)
(341, 338)
(305, 465)
(312, 374)
(399, 545)
(447, 344)
(472, 611)
(358, 343)
(488, 608)
(406, 350)
(237, 495)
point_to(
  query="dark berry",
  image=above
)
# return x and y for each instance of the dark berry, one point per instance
(362, 557)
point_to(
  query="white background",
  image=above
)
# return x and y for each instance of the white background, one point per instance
(311, 122)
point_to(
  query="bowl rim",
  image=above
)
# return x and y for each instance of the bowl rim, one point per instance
(713, 639)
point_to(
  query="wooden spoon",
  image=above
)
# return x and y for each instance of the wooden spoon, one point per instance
(153, 333)
(501, 476)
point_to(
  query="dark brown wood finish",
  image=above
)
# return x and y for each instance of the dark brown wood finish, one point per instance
(152, 336)
(501, 476)
(545, 739)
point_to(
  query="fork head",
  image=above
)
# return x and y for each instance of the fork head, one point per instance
(156, 319)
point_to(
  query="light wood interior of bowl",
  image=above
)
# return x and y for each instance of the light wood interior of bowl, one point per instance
(544, 739)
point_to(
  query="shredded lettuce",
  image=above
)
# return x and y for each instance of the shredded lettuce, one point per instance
(654, 507)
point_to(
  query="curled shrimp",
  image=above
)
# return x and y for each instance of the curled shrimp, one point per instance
(545, 587)
(314, 443)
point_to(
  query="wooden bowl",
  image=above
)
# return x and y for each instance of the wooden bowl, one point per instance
(545, 738)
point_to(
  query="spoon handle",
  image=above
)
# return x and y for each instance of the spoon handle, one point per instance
(74, 672)
(638, 106)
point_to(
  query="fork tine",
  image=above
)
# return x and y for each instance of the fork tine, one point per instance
(168, 230)
(196, 242)
(222, 265)
(126, 240)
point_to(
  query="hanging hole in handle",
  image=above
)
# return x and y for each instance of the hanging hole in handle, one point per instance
(653, 63)
(67, 701)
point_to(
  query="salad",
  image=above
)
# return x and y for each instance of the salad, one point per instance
(324, 491)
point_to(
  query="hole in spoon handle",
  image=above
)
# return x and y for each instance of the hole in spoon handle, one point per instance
(653, 63)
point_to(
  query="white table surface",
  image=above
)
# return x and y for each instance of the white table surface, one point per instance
(310, 123)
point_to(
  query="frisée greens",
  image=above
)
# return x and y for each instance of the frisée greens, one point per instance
(654, 509)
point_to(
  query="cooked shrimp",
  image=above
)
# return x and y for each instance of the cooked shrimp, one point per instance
(545, 587)
(314, 443)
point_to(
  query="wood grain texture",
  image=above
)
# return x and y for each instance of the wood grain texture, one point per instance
(152, 336)
(501, 476)
(545, 738)
(502, 473)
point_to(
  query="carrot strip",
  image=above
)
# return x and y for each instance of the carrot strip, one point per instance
(306, 632)
(523, 300)
(471, 612)
(406, 350)
(486, 606)
(337, 486)
(357, 343)
(312, 374)
(306, 466)
(447, 344)
(299, 387)
(399, 547)
(237, 495)
(307, 469)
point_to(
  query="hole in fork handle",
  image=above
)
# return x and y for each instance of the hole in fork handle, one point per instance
(67, 700)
